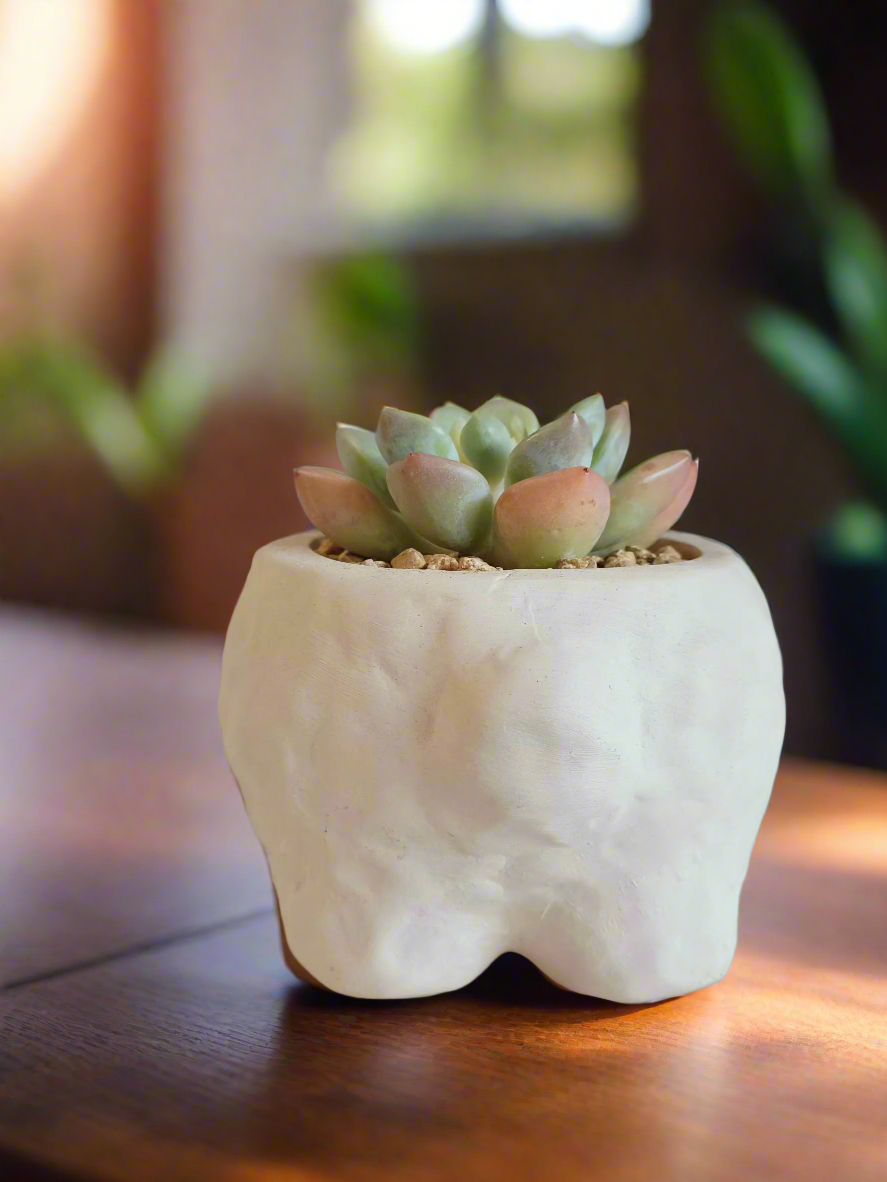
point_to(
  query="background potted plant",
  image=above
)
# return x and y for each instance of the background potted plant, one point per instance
(563, 751)
(828, 267)
(171, 534)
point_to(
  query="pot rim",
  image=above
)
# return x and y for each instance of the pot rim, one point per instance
(298, 548)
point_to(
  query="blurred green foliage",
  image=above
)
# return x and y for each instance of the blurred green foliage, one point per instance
(138, 435)
(361, 320)
(770, 101)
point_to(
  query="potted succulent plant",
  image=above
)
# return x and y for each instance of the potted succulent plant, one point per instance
(493, 706)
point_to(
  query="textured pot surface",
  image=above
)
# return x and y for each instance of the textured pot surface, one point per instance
(443, 766)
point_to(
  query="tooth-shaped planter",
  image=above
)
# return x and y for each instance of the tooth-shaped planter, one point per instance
(443, 766)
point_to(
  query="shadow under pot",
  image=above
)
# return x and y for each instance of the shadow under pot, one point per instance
(852, 594)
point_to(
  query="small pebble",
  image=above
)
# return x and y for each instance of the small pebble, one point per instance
(347, 556)
(668, 554)
(409, 560)
(621, 558)
(470, 562)
(375, 562)
(588, 563)
(441, 562)
(643, 555)
(328, 548)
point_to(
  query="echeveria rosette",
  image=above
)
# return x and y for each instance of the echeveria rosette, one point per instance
(496, 484)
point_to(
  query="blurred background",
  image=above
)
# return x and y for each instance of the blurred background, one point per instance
(225, 224)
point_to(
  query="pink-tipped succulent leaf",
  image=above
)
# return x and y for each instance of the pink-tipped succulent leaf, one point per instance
(557, 515)
(670, 514)
(641, 500)
(349, 514)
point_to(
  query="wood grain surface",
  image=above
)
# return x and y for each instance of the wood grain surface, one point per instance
(196, 1056)
(118, 823)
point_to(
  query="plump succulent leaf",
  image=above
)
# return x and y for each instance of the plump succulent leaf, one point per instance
(558, 515)
(450, 418)
(565, 443)
(448, 503)
(350, 514)
(362, 460)
(612, 447)
(642, 496)
(486, 444)
(400, 432)
(593, 411)
(664, 520)
(517, 419)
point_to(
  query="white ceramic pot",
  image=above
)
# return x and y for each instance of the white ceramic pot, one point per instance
(443, 767)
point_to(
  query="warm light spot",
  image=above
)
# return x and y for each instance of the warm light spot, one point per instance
(426, 26)
(51, 55)
(854, 842)
(608, 22)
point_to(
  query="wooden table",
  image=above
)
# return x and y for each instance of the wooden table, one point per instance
(150, 1032)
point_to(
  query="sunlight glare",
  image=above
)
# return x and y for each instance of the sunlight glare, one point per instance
(51, 55)
(426, 26)
(607, 22)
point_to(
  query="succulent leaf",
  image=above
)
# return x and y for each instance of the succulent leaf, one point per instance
(517, 419)
(664, 520)
(641, 498)
(558, 515)
(400, 433)
(593, 411)
(565, 443)
(362, 460)
(350, 514)
(486, 444)
(447, 502)
(450, 418)
(612, 447)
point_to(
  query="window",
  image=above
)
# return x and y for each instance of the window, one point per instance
(499, 113)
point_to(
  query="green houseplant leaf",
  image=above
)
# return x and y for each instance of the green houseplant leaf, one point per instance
(769, 98)
(855, 262)
(98, 406)
(171, 398)
(832, 385)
